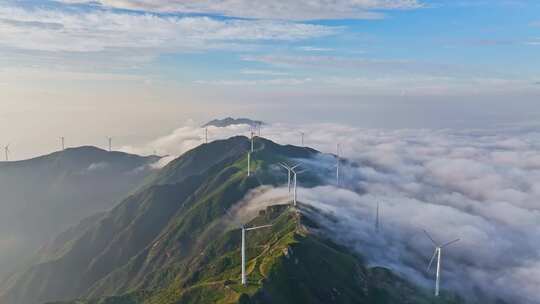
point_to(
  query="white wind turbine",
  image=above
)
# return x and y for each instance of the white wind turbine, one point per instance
(249, 164)
(62, 142)
(6, 150)
(289, 171)
(244, 230)
(110, 143)
(252, 136)
(302, 135)
(377, 221)
(294, 182)
(437, 254)
(338, 160)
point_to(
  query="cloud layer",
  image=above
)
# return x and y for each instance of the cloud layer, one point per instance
(47, 29)
(477, 185)
(262, 9)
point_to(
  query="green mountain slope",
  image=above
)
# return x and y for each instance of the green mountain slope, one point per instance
(287, 263)
(42, 197)
(160, 225)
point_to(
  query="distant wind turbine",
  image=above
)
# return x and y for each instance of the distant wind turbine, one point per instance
(338, 160)
(206, 135)
(377, 220)
(302, 135)
(110, 143)
(249, 164)
(437, 254)
(6, 150)
(259, 127)
(244, 230)
(252, 136)
(63, 142)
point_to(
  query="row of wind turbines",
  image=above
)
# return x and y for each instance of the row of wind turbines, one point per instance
(292, 172)
(62, 139)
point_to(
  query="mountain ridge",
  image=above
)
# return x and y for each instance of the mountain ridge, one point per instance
(45, 195)
(172, 242)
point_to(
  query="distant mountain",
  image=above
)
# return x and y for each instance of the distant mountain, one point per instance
(171, 242)
(42, 197)
(229, 121)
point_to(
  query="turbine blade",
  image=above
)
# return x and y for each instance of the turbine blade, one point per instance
(429, 236)
(284, 166)
(295, 166)
(432, 259)
(258, 227)
(450, 243)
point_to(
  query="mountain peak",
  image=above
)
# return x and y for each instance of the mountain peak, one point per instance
(229, 121)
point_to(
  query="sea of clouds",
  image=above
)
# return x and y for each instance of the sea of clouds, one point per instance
(482, 186)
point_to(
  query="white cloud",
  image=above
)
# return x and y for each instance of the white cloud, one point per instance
(99, 30)
(263, 9)
(315, 49)
(263, 82)
(263, 72)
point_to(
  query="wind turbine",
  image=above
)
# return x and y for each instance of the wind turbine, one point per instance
(249, 164)
(206, 135)
(437, 253)
(338, 160)
(110, 143)
(252, 135)
(62, 142)
(377, 221)
(244, 230)
(259, 125)
(289, 171)
(302, 135)
(294, 182)
(6, 150)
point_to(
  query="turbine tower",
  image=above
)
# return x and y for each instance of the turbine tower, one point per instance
(338, 160)
(437, 254)
(294, 182)
(377, 221)
(6, 150)
(302, 135)
(206, 135)
(243, 251)
(252, 135)
(249, 164)
(110, 143)
(63, 142)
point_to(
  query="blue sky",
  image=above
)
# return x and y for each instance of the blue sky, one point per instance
(417, 63)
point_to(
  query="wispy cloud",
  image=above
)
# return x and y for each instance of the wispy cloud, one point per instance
(262, 82)
(315, 49)
(99, 30)
(264, 72)
(263, 9)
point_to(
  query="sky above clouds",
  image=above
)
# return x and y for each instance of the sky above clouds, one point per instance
(135, 69)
